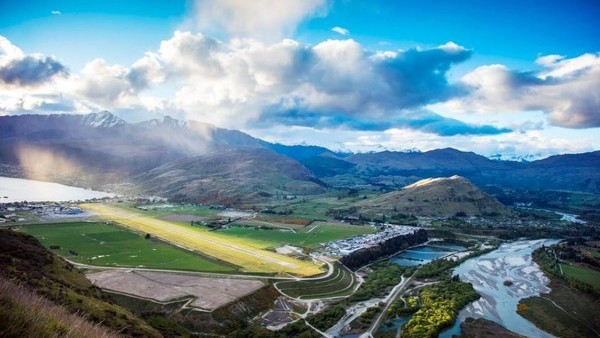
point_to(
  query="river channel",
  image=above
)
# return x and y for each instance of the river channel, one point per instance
(498, 302)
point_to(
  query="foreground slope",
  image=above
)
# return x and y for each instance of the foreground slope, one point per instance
(23, 313)
(53, 283)
(446, 196)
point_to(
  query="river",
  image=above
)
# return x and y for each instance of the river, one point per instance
(487, 273)
(563, 215)
(18, 190)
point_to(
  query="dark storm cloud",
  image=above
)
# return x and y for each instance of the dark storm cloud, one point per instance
(422, 120)
(417, 77)
(30, 70)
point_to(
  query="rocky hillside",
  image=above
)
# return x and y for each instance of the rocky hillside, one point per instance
(230, 177)
(97, 149)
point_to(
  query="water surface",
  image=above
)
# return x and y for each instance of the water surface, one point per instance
(18, 190)
(424, 254)
(487, 273)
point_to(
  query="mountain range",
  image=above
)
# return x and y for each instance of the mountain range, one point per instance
(198, 161)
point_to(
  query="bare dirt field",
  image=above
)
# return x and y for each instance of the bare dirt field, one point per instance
(207, 293)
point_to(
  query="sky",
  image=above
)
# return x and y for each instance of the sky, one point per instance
(508, 78)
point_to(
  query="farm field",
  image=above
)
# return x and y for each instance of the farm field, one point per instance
(108, 245)
(341, 283)
(582, 274)
(312, 207)
(236, 251)
(311, 236)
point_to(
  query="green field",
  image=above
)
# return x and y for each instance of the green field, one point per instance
(582, 274)
(341, 283)
(310, 236)
(178, 209)
(594, 253)
(315, 207)
(564, 312)
(106, 245)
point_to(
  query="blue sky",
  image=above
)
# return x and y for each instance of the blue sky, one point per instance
(509, 77)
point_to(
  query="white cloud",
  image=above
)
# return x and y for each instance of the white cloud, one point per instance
(56, 12)
(541, 143)
(340, 30)
(244, 81)
(8, 51)
(267, 20)
(565, 89)
(18, 69)
(354, 98)
(191, 55)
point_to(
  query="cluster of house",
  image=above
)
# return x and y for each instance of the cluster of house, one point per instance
(155, 206)
(12, 212)
(347, 246)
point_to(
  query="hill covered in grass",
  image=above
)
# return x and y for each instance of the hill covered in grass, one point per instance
(443, 197)
(231, 177)
(23, 313)
(54, 297)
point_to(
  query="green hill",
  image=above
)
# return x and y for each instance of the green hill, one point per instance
(440, 197)
(230, 177)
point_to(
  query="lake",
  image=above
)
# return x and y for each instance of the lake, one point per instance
(498, 303)
(18, 190)
(424, 254)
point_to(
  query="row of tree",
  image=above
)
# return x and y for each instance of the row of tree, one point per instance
(362, 257)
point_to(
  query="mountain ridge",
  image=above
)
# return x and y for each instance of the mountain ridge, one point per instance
(105, 149)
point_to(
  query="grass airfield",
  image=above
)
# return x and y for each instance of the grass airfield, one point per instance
(237, 251)
(100, 244)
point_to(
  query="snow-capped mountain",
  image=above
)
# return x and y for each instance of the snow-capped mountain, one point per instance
(103, 119)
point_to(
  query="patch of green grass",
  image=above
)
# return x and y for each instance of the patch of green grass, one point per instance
(327, 318)
(340, 283)
(582, 274)
(106, 245)
(564, 312)
(314, 207)
(382, 277)
(311, 236)
(594, 253)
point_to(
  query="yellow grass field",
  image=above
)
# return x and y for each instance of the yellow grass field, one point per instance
(231, 250)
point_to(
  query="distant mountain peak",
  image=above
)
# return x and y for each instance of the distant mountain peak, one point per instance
(102, 119)
(166, 121)
(435, 180)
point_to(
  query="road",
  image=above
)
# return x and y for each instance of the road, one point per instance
(209, 274)
(388, 302)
